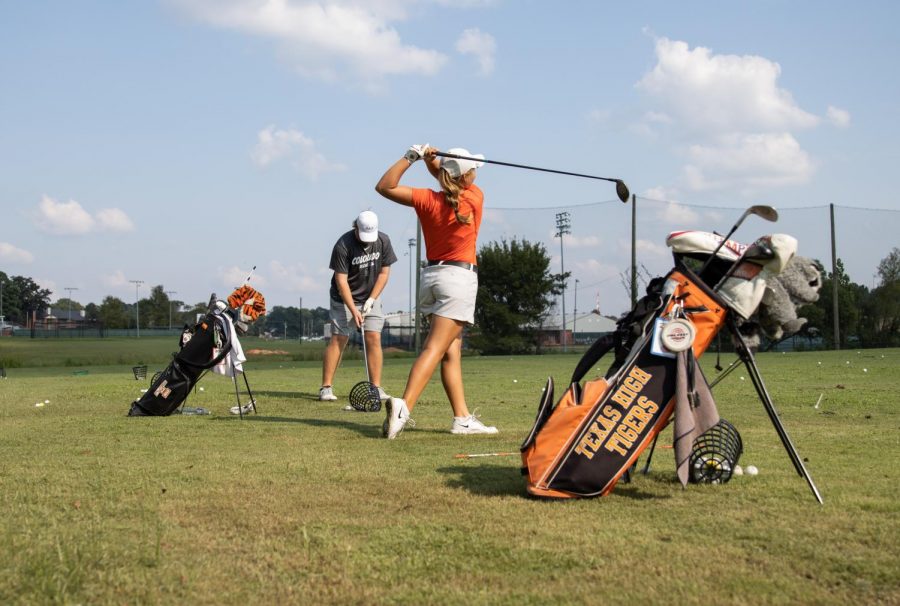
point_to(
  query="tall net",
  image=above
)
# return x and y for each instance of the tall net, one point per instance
(597, 246)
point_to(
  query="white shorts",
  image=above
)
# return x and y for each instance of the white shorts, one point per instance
(342, 320)
(449, 291)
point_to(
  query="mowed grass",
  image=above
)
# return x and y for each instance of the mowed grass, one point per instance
(305, 503)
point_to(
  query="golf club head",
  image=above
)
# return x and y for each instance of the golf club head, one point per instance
(764, 212)
(622, 190)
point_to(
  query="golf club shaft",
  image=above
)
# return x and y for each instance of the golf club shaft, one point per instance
(484, 454)
(545, 170)
(250, 274)
(362, 331)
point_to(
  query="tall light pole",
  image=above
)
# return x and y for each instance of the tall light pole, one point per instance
(301, 318)
(575, 313)
(137, 306)
(563, 224)
(69, 289)
(412, 244)
(170, 292)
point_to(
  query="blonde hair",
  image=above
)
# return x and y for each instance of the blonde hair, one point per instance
(451, 189)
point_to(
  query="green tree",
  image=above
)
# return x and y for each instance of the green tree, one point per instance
(515, 292)
(889, 267)
(154, 310)
(91, 312)
(113, 313)
(850, 295)
(23, 297)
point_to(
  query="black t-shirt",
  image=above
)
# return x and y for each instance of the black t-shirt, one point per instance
(362, 262)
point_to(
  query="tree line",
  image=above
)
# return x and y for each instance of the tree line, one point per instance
(515, 295)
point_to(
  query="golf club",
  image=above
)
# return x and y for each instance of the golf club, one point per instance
(621, 188)
(764, 212)
(250, 274)
(485, 454)
(364, 396)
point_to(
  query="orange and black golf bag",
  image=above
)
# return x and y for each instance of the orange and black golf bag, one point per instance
(585, 443)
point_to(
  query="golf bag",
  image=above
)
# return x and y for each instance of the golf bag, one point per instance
(595, 433)
(206, 345)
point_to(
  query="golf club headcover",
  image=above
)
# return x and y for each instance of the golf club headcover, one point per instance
(250, 302)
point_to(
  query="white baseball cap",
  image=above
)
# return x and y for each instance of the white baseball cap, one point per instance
(367, 226)
(456, 167)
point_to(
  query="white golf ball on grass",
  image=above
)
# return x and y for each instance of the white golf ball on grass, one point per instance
(751, 470)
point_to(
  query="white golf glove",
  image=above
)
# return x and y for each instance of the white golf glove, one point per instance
(415, 152)
(367, 306)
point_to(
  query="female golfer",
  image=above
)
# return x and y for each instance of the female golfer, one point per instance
(450, 220)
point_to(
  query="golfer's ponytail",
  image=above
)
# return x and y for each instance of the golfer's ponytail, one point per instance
(451, 195)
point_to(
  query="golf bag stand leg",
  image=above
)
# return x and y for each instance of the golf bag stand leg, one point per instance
(747, 356)
(237, 394)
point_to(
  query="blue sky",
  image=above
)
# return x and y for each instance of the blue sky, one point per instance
(181, 142)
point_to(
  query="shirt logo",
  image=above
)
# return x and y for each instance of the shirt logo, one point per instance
(365, 259)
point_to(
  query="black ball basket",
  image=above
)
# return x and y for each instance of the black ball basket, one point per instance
(364, 397)
(715, 454)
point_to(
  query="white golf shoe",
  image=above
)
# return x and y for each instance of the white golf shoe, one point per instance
(470, 425)
(326, 394)
(397, 418)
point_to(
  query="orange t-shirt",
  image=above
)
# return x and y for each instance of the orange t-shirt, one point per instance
(445, 238)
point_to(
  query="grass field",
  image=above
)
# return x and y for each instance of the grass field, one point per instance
(304, 503)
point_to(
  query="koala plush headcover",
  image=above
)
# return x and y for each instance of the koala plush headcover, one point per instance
(797, 285)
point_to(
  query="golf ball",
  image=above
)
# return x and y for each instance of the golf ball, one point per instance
(751, 470)
(742, 378)
(515, 380)
(819, 363)
(202, 389)
(865, 370)
(738, 470)
(38, 404)
(46, 401)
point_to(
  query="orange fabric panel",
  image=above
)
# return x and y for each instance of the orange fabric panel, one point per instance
(707, 324)
(559, 430)
(445, 238)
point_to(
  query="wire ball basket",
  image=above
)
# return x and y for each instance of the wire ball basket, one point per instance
(140, 372)
(715, 454)
(364, 397)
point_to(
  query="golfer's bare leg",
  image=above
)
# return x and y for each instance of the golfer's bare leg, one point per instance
(375, 356)
(333, 352)
(440, 337)
(451, 377)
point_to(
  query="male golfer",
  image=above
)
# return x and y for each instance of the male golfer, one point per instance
(361, 261)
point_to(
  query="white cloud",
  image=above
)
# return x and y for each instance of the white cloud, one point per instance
(114, 219)
(234, 277)
(71, 219)
(481, 45)
(598, 116)
(582, 241)
(116, 279)
(839, 117)
(721, 93)
(63, 218)
(13, 254)
(273, 145)
(326, 39)
(646, 247)
(676, 214)
(748, 163)
(296, 278)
